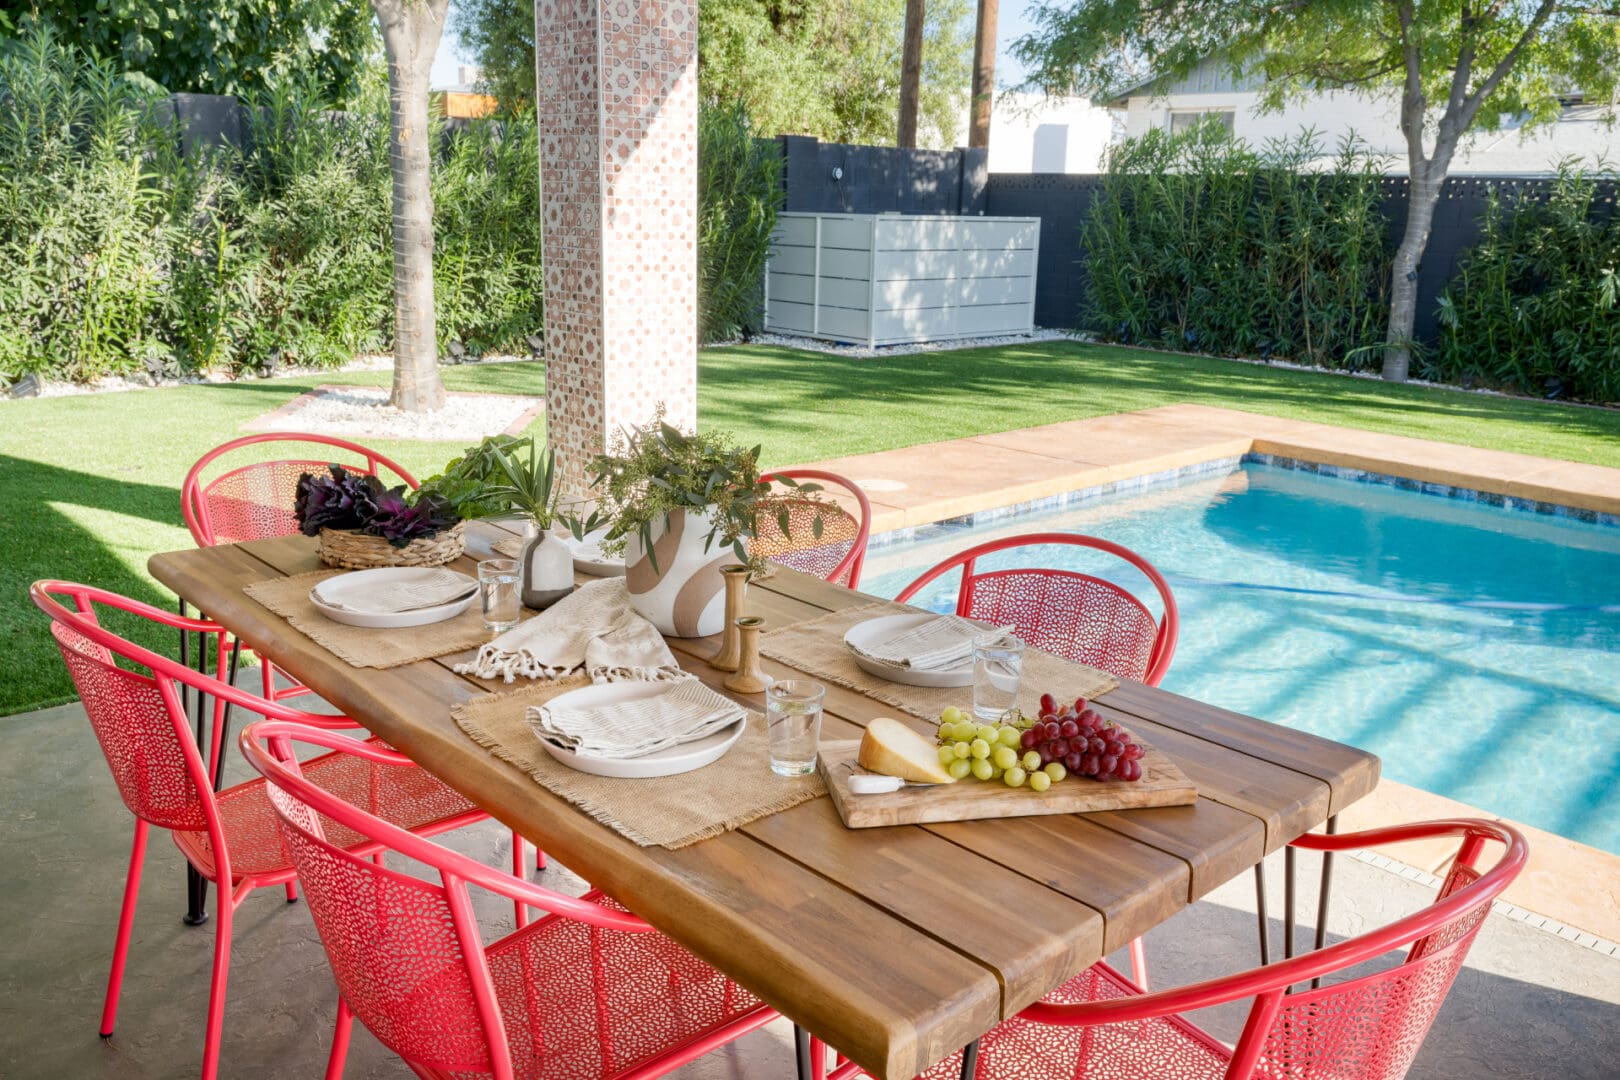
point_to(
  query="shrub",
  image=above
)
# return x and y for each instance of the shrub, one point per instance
(739, 194)
(1535, 305)
(1198, 242)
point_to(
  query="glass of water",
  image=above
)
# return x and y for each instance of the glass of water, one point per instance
(998, 666)
(498, 585)
(793, 716)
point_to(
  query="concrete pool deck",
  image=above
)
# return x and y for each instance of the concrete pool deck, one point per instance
(1575, 886)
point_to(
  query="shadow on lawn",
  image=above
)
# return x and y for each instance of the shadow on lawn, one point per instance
(1122, 378)
(31, 671)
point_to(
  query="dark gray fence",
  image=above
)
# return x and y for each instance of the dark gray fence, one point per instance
(833, 178)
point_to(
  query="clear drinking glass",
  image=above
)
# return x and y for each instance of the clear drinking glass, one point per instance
(998, 666)
(793, 718)
(498, 585)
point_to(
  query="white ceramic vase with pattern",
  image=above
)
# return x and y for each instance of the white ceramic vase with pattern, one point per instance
(686, 595)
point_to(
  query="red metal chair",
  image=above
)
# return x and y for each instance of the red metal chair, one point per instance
(589, 990)
(230, 837)
(1366, 1027)
(839, 552)
(1073, 615)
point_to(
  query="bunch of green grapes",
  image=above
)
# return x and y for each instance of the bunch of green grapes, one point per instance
(993, 751)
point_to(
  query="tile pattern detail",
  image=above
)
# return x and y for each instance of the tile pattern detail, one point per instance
(617, 86)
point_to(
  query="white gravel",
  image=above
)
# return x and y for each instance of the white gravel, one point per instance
(364, 412)
(835, 349)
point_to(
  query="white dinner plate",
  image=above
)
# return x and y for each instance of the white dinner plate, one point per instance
(872, 632)
(666, 762)
(588, 557)
(351, 589)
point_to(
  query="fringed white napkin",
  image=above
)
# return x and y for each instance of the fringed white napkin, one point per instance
(687, 711)
(425, 589)
(936, 645)
(593, 627)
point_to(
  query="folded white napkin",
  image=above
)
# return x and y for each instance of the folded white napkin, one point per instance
(687, 711)
(594, 627)
(427, 590)
(936, 645)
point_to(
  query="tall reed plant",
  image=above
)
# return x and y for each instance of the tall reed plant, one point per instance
(1535, 305)
(739, 195)
(1197, 241)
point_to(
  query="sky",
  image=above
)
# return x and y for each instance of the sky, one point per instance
(1012, 23)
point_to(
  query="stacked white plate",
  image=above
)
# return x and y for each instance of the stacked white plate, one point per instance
(361, 597)
(868, 636)
(588, 556)
(683, 757)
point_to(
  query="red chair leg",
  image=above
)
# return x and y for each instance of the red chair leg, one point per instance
(340, 1041)
(520, 858)
(1139, 964)
(216, 991)
(292, 892)
(126, 919)
(269, 672)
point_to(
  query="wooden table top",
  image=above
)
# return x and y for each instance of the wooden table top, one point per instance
(866, 938)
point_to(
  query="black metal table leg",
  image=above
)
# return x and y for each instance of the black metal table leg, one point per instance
(970, 1060)
(1322, 897)
(197, 885)
(801, 1053)
(1260, 907)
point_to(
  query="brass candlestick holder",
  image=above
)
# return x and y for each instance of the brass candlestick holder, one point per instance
(750, 677)
(730, 652)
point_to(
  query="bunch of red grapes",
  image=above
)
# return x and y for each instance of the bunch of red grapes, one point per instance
(1083, 741)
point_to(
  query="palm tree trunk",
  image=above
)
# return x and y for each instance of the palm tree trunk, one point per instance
(411, 31)
(984, 75)
(910, 74)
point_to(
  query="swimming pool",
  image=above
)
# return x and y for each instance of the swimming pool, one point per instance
(1475, 649)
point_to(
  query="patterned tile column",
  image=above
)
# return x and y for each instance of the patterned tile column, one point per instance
(617, 97)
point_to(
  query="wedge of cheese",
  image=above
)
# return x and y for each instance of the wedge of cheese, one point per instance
(893, 749)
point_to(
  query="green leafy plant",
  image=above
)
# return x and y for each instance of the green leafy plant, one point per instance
(651, 472)
(530, 485)
(474, 482)
(740, 186)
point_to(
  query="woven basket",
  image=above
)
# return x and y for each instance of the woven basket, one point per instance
(360, 551)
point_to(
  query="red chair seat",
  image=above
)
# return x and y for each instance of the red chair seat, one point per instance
(412, 799)
(1161, 1048)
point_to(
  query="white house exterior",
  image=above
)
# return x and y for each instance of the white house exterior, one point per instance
(1030, 133)
(1583, 131)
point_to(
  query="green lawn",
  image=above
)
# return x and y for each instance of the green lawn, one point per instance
(89, 486)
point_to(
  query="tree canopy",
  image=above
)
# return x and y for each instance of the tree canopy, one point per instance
(828, 68)
(222, 48)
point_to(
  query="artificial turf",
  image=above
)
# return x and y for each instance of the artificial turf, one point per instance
(89, 485)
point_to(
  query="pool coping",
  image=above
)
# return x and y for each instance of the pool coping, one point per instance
(1005, 474)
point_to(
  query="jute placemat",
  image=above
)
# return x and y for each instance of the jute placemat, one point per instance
(816, 646)
(360, 646)
(660, 811)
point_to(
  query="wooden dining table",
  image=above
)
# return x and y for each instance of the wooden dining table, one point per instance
(899, 945)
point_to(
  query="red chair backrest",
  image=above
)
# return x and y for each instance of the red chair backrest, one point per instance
(838, 553)
(406, 950)
(255, 501)
(1366, 1028)
(1076, 616)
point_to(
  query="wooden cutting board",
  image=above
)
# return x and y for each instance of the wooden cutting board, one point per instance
(1162, 784)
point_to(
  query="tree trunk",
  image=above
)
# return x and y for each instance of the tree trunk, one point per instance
(411, 31)
(910, 74)
(984, 75)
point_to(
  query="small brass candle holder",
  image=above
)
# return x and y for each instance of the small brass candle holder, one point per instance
(729, 655)
(750, 677)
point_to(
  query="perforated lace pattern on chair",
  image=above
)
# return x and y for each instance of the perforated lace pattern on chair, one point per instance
(581, 1002)
(137, 735)
(800, 548)
(255, 502)
(1369, 1028)
(1158, 1049)
(410, 798)
(1077, 617)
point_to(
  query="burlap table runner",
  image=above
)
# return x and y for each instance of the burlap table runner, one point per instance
(361, 646)
(816, 646)
(659, 811)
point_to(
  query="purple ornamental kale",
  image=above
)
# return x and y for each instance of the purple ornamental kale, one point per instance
(336, 501)
(397, 521)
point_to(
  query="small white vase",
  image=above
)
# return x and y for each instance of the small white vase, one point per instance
(686, 595)
(546, 568)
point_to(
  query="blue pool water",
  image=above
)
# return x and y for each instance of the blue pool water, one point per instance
(1475, 649)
